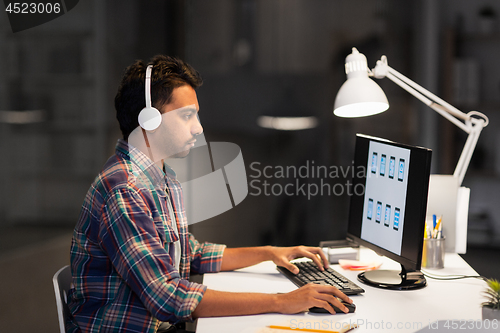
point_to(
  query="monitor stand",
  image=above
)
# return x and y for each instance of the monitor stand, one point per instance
(394, 280)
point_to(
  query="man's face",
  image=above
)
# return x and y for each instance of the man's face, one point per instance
(180, 124)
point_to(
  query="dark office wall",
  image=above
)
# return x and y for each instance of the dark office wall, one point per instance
(257, 58)
(286, 59)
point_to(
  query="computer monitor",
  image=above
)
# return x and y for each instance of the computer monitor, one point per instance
(389, 217)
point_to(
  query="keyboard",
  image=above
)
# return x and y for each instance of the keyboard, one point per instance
(310, 273)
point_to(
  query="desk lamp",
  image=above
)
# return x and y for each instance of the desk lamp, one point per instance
(360, 96)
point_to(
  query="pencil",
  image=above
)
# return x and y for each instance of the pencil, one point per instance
(343, 330)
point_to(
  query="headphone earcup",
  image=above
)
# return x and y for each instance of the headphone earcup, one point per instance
(149, 118)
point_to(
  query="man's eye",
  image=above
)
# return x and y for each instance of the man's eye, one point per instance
(187, 116)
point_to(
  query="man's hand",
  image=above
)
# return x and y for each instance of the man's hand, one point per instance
(222, 303)
(312, 295)
(281, 256)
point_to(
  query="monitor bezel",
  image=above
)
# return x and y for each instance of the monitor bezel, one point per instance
(417, 193)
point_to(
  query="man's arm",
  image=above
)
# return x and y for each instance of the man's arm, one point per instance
(234, 258)
(218, 303)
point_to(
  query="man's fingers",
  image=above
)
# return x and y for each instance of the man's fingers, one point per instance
(330, 290)
(332, 300)
(325, 305)
(313, 256)
(324, 258)
(313, 253)
(291, 267)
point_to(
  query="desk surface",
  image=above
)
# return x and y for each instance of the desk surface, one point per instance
(376, 309)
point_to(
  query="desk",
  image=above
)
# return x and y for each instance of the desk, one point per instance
(377, 310)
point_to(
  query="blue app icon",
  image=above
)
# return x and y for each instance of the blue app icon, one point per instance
(379, 212)
(396, 218)
(392, 167)
(374, 163)
(369, 213)
(383, 159)
(387, 217)
(401, 172)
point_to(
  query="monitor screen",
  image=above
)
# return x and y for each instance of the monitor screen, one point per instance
(389, 217)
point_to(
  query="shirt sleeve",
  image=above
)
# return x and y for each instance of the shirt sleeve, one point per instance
(205, 257)
(130, 239)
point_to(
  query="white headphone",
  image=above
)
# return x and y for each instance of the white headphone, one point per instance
(149, 117)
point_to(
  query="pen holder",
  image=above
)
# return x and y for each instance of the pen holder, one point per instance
(433, 253)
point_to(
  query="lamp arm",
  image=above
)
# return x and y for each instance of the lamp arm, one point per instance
(472, 126)
(448, 107)
(382, 69)
(466, 155)
(442, 110)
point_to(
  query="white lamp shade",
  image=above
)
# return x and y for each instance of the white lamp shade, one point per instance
(359, 97)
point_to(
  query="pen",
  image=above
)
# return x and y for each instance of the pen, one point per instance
(440, 230)
(437, 229)
(343, 330)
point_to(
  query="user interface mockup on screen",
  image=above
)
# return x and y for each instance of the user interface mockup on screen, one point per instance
(385, 196)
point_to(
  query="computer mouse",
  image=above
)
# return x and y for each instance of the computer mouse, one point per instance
(351, 307)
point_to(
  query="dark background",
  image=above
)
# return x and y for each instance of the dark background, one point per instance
(257, 57)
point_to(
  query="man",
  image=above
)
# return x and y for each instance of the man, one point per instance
(131, 253)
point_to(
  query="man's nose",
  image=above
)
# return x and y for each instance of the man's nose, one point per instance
(197, 129)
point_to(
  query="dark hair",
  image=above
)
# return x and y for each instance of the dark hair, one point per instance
(168, 73)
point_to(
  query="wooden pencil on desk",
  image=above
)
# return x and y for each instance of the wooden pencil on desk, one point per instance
(343, 330)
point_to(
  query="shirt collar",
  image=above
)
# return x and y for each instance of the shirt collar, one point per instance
(169, 172)
(150, 174)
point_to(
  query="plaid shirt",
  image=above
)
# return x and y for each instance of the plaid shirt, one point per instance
(122, 258)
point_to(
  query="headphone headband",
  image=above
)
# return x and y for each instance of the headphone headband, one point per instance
(149, 117)
(148, 85)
